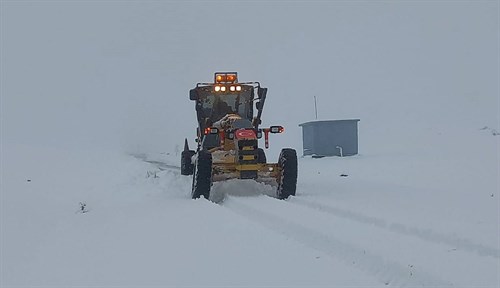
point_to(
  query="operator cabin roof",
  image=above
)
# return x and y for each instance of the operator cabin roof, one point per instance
(330, 137)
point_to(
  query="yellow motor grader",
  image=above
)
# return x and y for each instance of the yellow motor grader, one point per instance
(227, 136)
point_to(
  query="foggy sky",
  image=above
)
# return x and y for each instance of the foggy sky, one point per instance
(117, 74)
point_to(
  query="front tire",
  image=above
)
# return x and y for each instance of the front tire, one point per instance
(287, 184)
(202, 175)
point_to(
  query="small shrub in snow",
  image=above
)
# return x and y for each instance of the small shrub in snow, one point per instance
(83, 208)
(493, 131)
(150, 174)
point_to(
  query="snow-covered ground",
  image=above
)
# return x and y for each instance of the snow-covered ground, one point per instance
(83, 81)
(397, 220)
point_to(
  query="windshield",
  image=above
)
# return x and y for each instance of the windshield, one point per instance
(216, 106)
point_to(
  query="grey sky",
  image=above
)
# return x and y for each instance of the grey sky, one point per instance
(118, 73)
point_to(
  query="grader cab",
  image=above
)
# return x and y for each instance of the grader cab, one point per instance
(227, 137)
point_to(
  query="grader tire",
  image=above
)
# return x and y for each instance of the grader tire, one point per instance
(287, 184)
(202, 175)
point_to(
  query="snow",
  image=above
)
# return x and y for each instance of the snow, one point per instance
(142, 229)
(94, 112)
(139, 231)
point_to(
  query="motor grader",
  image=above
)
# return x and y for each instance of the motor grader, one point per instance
(227, 138)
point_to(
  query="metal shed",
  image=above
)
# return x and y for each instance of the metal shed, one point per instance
(330, 137)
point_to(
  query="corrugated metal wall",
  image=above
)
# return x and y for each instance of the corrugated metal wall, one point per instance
(330, 138)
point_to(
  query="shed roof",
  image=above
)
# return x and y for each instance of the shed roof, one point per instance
(327, 121)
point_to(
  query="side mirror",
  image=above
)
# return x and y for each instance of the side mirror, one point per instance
(193, 94)
(211, 130)
(276, 129)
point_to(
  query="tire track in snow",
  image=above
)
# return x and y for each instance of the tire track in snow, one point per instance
(161, 165)
(423, 234)
(388, 272)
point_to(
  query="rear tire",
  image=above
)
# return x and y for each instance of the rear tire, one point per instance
(202, 175)
(261, 156)
(187, 166)
(287, 184)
